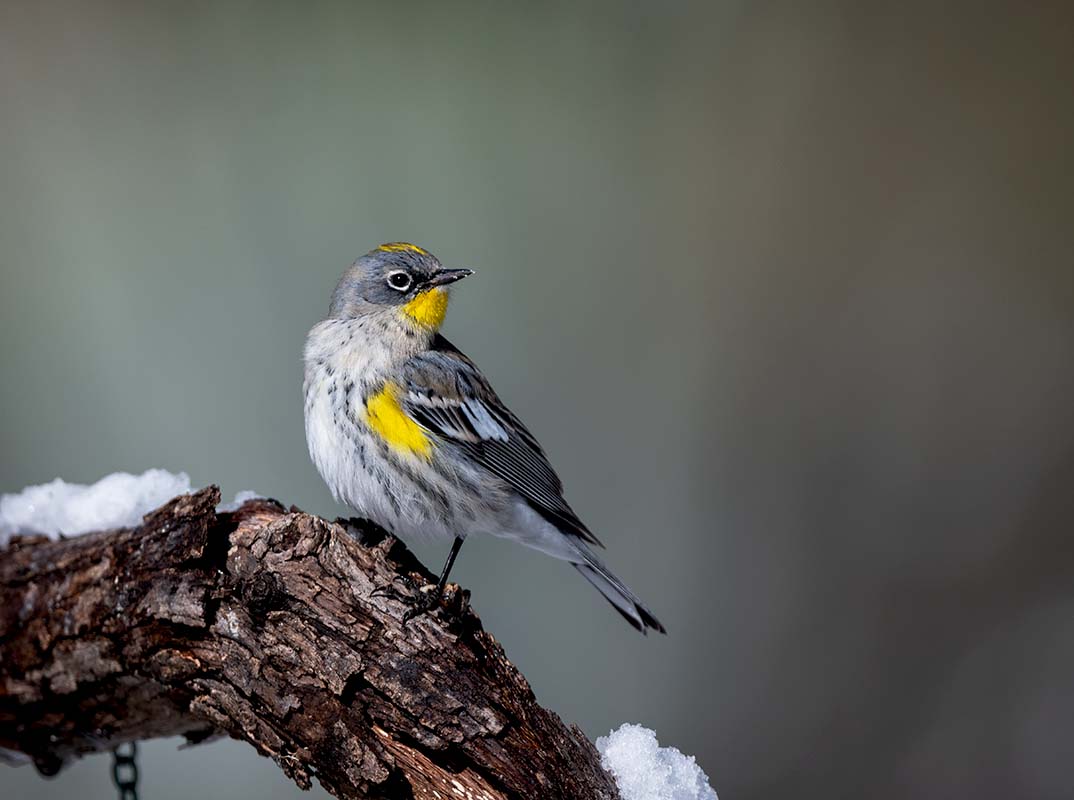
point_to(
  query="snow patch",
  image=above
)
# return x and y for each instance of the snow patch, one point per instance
(118, 500)
(644, 770)
(240, 498)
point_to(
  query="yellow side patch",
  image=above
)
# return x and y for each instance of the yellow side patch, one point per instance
(428, 308)
(403, 247)
(386, 417)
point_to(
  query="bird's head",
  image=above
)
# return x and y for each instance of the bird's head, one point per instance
(396, 277)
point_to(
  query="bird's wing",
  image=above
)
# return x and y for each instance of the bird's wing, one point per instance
(447, 395)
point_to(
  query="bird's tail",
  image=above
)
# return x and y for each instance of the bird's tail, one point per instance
(616, 592)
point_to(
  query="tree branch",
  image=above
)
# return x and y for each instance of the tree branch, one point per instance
(263, 624)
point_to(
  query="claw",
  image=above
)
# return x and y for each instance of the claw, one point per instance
(382, 591)
(426, 602)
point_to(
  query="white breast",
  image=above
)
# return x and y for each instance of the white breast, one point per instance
(340, 362)
(342, 365)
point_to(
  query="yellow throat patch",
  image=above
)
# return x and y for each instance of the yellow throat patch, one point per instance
(428, 308)
(386, 417)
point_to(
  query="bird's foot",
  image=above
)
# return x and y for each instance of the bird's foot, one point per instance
(385, 590)
(428, 598)
(452, 598)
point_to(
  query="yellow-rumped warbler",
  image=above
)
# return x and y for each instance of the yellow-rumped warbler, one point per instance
(407, 431)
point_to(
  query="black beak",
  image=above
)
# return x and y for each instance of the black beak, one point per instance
(442, 277)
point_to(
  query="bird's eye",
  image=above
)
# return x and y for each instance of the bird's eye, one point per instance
(399, 280)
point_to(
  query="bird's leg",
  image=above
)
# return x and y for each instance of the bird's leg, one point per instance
(429, 600)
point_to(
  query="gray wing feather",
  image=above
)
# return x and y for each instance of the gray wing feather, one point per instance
(447, 395)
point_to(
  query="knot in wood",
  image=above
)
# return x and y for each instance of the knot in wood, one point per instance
(263, 594)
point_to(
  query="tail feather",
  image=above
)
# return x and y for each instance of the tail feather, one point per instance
(616, 592)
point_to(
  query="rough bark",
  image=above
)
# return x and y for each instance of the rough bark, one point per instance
(264, 624)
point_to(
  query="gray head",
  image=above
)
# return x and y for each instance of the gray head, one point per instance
(396, 276)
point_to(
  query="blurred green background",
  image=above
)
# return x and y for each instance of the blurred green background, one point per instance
(786, 290)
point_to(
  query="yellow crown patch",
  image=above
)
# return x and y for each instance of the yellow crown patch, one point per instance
(402, 247)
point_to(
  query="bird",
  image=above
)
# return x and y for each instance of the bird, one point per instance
(407, 431)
